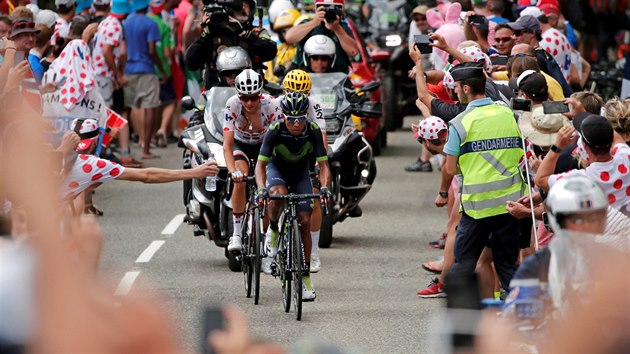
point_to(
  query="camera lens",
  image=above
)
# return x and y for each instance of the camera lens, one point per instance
(331, 15)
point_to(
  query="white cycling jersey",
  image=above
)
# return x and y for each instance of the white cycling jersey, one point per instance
(236, 121)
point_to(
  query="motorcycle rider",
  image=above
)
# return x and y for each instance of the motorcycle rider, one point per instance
(286, 52)
(337, 30)
(283, 166)
(320, 57)
(248, 115)
(236, 31)
(231, 62)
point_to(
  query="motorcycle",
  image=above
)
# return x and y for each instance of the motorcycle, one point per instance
(350, 156)
(386, 28)
(210, 212)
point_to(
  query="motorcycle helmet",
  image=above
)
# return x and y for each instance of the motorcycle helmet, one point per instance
(248, 82)
(297, 81)
(572, 195)
(295, 104)
(285, 19)
(233, 59)
(276, 7)
(320, 45)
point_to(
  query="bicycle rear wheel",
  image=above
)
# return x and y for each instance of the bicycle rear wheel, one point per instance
(246, 255)
(297, 260)
(256, 260)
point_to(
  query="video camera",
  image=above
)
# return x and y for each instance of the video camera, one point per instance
(219, 10)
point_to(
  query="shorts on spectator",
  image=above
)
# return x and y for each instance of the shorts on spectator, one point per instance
(106, 89)
(167, 91)
(143, 91)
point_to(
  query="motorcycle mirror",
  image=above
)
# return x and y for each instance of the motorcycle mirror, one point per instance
(370, 86)
(188, 103)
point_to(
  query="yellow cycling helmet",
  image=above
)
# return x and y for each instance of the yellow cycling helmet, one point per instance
(297, 81)
(285, 19)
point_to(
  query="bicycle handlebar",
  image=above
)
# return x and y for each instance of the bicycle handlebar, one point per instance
(294, 197)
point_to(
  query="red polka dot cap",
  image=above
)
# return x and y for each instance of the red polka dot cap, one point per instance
(88, 131)
(432, 128)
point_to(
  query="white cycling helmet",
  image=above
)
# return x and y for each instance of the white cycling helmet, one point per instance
(337, 3)
(233, 59)
(248, 82)
(276, 7)
(320, 45)
(572, 195)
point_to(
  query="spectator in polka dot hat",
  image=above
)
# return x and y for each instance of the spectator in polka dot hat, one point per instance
(91, 171)
(608, 155)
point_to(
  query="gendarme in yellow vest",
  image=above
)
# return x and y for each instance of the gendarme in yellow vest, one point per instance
(490, 151)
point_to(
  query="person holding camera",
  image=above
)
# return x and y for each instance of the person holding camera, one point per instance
(328, 21)
(228, 24)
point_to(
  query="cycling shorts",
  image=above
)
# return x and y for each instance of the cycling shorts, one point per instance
(246, 152)
(298, 182)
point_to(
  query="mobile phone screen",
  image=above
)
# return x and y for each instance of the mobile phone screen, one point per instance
(212, 320)
(555, 107)
(499, 60)
(19, 57)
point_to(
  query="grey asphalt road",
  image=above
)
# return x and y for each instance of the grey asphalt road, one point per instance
(366, 291)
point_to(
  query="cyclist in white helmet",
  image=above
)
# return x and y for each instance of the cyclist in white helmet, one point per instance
(247, 116)
(230, 62)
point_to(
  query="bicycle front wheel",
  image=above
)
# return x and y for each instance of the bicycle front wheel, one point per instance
(246, 252)
(297, 260)
(256, 260)
(284, 265)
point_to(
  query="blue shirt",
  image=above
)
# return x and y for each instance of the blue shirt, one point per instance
(452, 144)
(36, 66)
(139, 31)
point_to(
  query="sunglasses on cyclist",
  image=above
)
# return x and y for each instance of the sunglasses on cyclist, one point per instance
(249, 98)
(22, 25)
(319, 58)
(295, 119)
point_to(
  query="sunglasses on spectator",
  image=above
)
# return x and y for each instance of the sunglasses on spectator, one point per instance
(503, 39)
(522, 32)
(419, 18)
(22, 25)
(249, 98)
(319, 58)
(519, 55)
(295, 119)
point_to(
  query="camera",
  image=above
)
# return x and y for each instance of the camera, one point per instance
(219, 10)
(521, 104)
(332, 13)
(421, 41)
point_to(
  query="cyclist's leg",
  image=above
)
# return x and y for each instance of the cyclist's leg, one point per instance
(276, 185)
(316, 220)
(303, 185)
(241, 160)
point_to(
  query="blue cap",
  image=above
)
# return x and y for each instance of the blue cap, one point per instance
(121, 7)
(137, 5)
(82, 5)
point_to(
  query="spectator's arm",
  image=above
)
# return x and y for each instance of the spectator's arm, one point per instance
(548, 165)
(347, 42)
(8, 60)
(156, 59)
(110, 60)
(297, 33)
(163, 175)
(440, 43)
(421, 85)
(451, 165)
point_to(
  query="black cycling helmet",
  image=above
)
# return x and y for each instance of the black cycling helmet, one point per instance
(295, 104)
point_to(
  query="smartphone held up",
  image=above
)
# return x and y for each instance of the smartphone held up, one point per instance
(422, 42)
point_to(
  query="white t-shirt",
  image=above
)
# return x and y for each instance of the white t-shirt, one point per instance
(612, 176)
(557, 44)
(87, 170)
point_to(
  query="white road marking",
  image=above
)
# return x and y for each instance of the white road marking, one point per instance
(172, 226)
(148, 253)
(126, 283)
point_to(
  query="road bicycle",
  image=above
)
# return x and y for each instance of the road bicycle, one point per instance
(289, 261)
